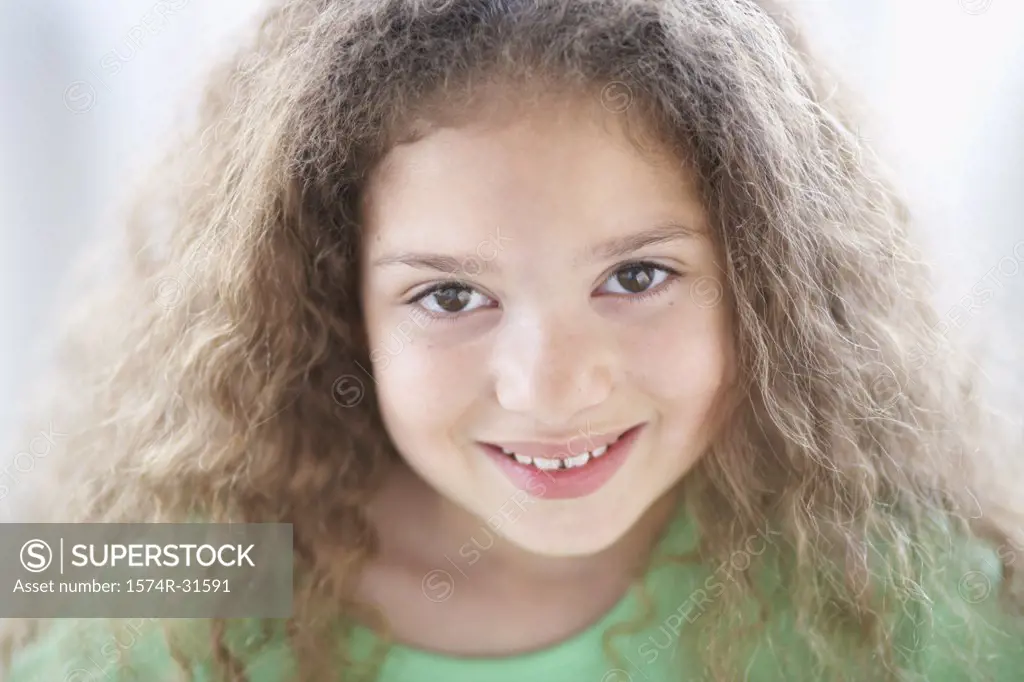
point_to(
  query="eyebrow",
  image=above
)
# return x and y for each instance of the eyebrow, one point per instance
(664, 232)
(617, 247)
(434, 261)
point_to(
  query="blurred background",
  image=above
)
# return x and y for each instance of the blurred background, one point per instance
(89, 86)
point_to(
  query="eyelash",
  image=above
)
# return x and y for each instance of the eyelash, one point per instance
(673, 275)
(658, 290)
(440, 286)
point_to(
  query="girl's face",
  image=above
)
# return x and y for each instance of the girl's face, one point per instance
(542, 287)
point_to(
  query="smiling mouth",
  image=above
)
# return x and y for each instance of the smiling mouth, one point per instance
(546, 464)
(569, 461)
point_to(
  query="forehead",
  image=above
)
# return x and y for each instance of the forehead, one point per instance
(559, 167)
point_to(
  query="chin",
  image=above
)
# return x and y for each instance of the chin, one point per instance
(569, 541)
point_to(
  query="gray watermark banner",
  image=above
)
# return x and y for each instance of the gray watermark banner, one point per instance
(145, 570)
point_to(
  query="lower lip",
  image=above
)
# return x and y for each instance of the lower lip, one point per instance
(563, 484)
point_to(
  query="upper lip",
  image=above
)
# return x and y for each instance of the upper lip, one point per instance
(558, 448)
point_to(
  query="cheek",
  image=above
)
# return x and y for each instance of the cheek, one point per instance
(681, 362)
(425, 388)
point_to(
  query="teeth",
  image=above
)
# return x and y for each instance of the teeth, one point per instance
(577, 461)
(547, 464)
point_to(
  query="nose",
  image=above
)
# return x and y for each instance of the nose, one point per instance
(553, 368)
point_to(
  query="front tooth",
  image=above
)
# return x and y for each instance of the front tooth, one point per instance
(507, 451)
(600, 451)
(523, 459)
(544, 463)
(577, 461)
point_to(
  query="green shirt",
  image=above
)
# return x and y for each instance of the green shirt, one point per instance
(682, 596)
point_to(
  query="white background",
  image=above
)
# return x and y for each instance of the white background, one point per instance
(943, 79)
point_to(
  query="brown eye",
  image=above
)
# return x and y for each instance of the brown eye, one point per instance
(452, 299)
(636, 278)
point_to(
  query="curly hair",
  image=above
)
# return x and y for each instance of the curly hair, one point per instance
(199, 375)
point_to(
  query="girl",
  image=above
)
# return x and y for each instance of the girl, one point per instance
(577, 341)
